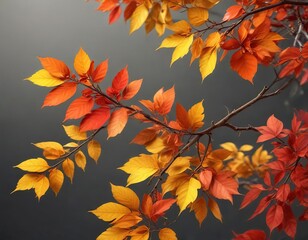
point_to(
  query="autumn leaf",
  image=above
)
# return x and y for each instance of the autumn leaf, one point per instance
(100, 72)
(56, 179)
(41, 186)
(274, 217)
(140, 233)
(145, 136)
(108, 5)
(197, 15)
(128, 220)
(253, 234)
(114, 233)
(245, 64)
(115, 14)
(167, 234)
(117, 122)
(179, 165)
(131, 89)
(51, 150)
(120, 81)
(94, 120)
(44, 79)
(69, 168)
(60, 94)
(138, 18)
(160, 207)
(79, 108)
(213, 206)
(140, 168)
(156, 146)
(82, 63)
(74, 132)
(250, 196)
(110, 211)
(126, 197)
(206, 177)
(272, 129)
(233, 12)
(187, 193)
(173, 182)
(55, 67)
(34, 165)
(200, 209)
(81, 160)
(94, 149)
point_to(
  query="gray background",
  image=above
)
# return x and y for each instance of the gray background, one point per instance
(58, 29)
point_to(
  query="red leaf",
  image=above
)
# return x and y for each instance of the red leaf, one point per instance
(283, 192)
(129, 10)
(251, 235)
(261, 207)
(304, 216)
(160, 207)
(206, 178)
(245, 64)
(120, 80)
(79, 107)
(274, 217)
(250, 197)
(131, 89)
(95, 119)
(230, 44)
(272, 129)
(146, 206)
(289, 223)
(114, 14)
(100, 72)
(60, 94)
(55, 67)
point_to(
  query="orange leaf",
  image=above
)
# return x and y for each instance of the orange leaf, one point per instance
(163, 101)
(182, 117)
(79, 107)
(120, 80)
(55, 67)
(68, 168)
(56, 178)
(145, 136)
(129, 10)
(206, 177)
(95, 119)
(167, 234)
(200, 209)
(245, 64)
(131, 89)
(213, 206)
(108, 5)
(160, 207)
(117, 122)
(233, 12)
(60, 94)
(100, 72)
(114, 14)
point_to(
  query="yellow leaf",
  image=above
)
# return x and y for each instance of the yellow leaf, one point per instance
(34, 165)
(229, 146)
(196, 116)
(94, 149)
(246, 148)
(260, 157)
(155, 146)
(167, 234)
(138, 18)
(127, 221)
(182, 49)
(173, 182)
(140, 168)
(110, 211)
(212, 40)
(56, 178)
(117, 122)
(74, 133)
(206, 3)
(51, 150)
(80, 160)
(213, 206)
(114, 233)
(171, 41)
(200, 209)
(140, 233)
(196, 49)
(181, 27)
(44, 79)
(197, 16)
(71, 145)
(207, 63)
(125, 196)
(187, 192)
(68, 168)
(179, 165)
(82, 62)
(41, 186)
(27, 182)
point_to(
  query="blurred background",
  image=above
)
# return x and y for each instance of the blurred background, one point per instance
(58, 29)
